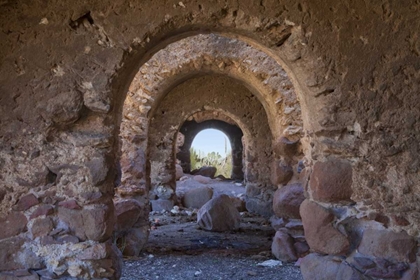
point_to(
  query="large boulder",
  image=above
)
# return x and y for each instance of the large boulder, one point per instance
(331, 181)
(383, 243)
(219, 214)
(207, 171)
(202, 179)
(259, 206)
(320, 234)
(287, 200)
(134, 241)
(162, 204)
(127, 212)
(317, 267)
(196, 198)
(283, 247)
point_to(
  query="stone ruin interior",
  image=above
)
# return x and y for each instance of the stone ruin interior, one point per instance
(321, 101)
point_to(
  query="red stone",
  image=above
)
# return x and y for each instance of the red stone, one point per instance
(331, 181)
(12, 224)
(134, 241)
(41, 227)
(127, 213)
(26, 202)
(382, 243)
(69, 204)
(301, 248)
(9, 249)
(287, 200)
(218, 214)
(42, 210)
(281, 174)
(98, 222)
(98, 168)
(283, 247)
(94, 222)
(320, 234)
(317, 267)
(134, 164)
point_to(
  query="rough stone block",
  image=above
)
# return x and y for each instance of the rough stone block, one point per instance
(282, 247)
(41, 227)
(383, 243)
(127, 213)
(206, 171)
(9, 251)
(320, 234)
(98, 168)
(287, 200)
(197, 197)
(64, 108)
(331, 181)
(218, 214)
(259, 206)
(317, 267)
(162, 204)
(26, 202)
(42, 210)
(202, 179)
(94, 222)
(12, 224)
(133, 242)
(280, 173)
(98, 221)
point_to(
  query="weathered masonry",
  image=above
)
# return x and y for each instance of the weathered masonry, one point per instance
(94, 96)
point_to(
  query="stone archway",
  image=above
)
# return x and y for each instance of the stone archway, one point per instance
(171, 67)
(191, 128)
(65, 70)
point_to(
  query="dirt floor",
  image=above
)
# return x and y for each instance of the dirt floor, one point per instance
(179, 249)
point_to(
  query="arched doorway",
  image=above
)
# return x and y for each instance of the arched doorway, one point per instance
(190, 130)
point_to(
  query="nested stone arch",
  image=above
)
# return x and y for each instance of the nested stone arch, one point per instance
(209, 93)
(214, 53)
(210, 53)
(212, 119)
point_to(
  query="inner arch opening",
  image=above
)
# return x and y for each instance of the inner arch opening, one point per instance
(230, 147)
(211, 147)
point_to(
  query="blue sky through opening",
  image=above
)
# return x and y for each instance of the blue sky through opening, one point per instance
(211, 140)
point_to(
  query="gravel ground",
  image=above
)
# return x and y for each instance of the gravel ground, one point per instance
(205, 266)
(179, 249)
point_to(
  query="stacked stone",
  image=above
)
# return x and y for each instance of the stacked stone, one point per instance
(62, 220)
(345, 247)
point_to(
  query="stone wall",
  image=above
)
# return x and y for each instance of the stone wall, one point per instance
(65, 75)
